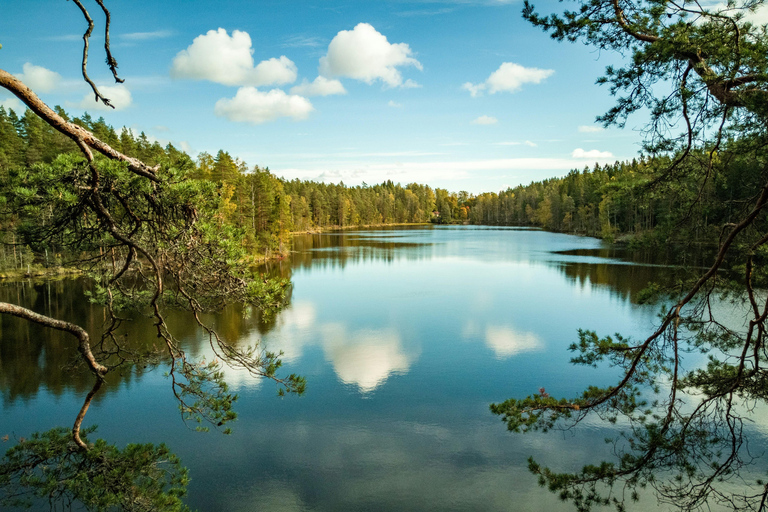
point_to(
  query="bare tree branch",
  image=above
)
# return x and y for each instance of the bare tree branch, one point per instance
(86, 38)
(111, 62)
(84, 345)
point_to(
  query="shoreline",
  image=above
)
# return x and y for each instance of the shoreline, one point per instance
(326, 229)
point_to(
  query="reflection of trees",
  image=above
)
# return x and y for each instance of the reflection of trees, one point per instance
(627, 281)
(690, 256)
(33, 356)
(631, 271)
(338, 249)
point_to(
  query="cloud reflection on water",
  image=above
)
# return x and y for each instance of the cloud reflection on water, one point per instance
(364, 358)
(506, 342)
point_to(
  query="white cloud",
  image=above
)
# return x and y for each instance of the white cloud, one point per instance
(146, 36)
(474, 90)
(594, 153)
(321, 86)
(219, 58)
(253, 106)
(68, 38)
(118, 95)
(426, 169)
(302, 41)
(408, 170)
(394, 104)
(274, 71)
(590, 129)
(12, 103)
(365, 54)
(38, 78)
(510, 77)
(485, 120)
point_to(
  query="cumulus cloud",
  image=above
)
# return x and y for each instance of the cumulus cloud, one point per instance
(321, 86)
(253, 106)
(365, 54)
(485, 120)
(218, 57)
(593, 153)
(394, 104)
(119, 95)
(590, 129)
(38, 78)
(275, 71)
(510, 77)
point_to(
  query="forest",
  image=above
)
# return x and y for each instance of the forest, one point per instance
(264, 207)
(621, 201)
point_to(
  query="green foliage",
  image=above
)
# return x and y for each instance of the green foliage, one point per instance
(202, 391)
(321, 205)
(49, 468)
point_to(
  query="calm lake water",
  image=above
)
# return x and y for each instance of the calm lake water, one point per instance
(405, 336)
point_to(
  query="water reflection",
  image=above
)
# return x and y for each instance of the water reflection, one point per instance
(364, 358)
(357, 246)
(34, 357)
(585, 261)
(405, 336)
(374, 301)
(360, 325)
(507, 342)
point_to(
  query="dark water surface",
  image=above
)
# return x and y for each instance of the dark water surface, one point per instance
(405, 337)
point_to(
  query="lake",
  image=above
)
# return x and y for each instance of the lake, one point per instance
(405, 336)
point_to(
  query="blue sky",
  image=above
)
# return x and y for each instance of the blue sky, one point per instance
(462, 94)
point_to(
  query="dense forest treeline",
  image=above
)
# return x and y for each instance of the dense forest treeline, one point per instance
(607, 201)
(266, 208)
(629, 199)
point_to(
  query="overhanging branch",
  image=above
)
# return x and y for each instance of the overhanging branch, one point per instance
(80, 135)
